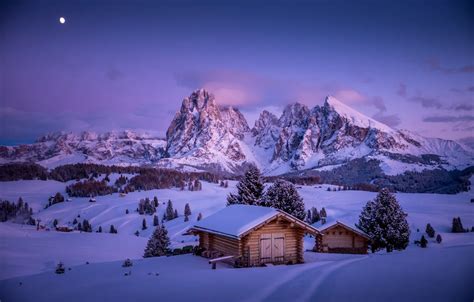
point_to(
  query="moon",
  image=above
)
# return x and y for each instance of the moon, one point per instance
(62, 20)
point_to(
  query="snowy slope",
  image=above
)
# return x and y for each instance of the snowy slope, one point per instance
(356, 118)
(441, 272)
(340, 205)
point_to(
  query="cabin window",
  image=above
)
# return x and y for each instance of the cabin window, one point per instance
(334, 233)
(340, 233)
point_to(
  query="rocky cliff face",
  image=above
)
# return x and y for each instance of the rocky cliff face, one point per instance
(203, 135)
(334, 133)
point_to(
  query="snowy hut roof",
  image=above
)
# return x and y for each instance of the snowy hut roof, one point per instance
(328, 225)
(236, 220)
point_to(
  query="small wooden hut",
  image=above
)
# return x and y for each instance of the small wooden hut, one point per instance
(340, 237)
(253, 235)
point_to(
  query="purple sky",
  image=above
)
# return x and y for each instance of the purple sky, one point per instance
(128, 65)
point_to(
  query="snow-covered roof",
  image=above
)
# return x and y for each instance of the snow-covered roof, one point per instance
(323, 227)
(235, 220)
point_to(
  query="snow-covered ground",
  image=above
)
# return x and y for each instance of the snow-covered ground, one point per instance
(442, 272)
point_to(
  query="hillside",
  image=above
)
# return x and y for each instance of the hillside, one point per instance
(29, 256)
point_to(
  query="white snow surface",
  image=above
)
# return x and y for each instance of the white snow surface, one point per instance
(235, 220)
(357, 118)
(441, 272)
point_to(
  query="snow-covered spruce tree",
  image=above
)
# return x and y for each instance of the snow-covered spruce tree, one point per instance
(199, 216)
(169, 211)
(249, 189)
(438, 238)
(144, 227)
(430, 231)
(457, 225)
(127, 263)
(284, 196)
(385, 222)
(309, 217)
(113, 230)
(155, 220)
(315, 217)
(323, 213)
(60, 269)
(187, 209)
(158, 243)
(175, 214)
(423, 241)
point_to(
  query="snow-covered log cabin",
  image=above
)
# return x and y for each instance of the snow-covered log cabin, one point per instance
(340, 237)
(254, 235)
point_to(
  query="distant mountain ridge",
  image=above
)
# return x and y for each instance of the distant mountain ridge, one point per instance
(206, 136)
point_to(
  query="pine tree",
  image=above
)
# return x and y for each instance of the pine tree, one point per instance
(100, 229)
(155, 201)
(309, 217)
(197, 185)
(127, 263)
(144, 224)
(284, 196)
(175, 214)
(79, 226)
(199, 217)
(60, 269)
(55, 223)
(158, 244)
(430, 231)
(457, 226)
(169, 211)
(86, 226)
(126, 211)
(58, 198)
(438, 238)
(186, 218)
(249, 189)
(155, 220)
(385, 222)
(323, 213)
(113, 230)
(423, 241)
(20, 202)
(315, 215)
(187, 210)
(137, 233)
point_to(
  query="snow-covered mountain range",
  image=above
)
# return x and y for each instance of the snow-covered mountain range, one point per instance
(206, 136)
(118, 148)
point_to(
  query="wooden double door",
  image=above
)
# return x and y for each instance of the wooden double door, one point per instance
(272, 248)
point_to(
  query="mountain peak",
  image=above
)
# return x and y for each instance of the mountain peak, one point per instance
(354, 116)
(294, 114)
